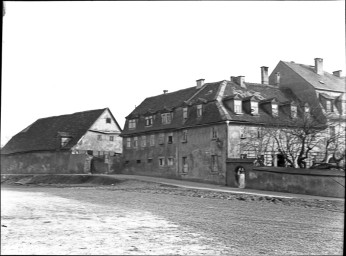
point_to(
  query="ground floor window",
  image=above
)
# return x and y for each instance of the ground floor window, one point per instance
(161, 161)
(184, 164)
(170, 161)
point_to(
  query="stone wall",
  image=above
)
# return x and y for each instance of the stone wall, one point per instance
(298, 181)
(43, 162)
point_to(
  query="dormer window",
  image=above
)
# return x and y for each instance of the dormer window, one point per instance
(132, 124)
(199, 110)
(148, 120)
(166, 118)
(329, 106)
(275, 109)
(237, 107)
(64, 141)
(184, 114)
(254, 107)
(294, 111)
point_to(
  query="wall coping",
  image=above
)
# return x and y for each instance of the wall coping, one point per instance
(298, 171)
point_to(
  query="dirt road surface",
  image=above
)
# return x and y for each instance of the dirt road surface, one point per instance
(136, 218)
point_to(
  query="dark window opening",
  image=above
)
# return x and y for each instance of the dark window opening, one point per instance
(138, 161)
(108, 120)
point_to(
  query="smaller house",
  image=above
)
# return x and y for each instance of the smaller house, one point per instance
(64, 144)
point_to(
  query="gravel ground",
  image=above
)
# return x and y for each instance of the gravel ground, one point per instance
(134, 217)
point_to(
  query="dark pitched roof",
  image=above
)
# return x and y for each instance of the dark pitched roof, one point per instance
(264, 93)
(167, 100)
(42, 134)
(326, 81)
(212, 112)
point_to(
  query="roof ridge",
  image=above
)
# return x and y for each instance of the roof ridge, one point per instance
(80, 112)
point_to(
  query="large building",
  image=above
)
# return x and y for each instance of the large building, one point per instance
(63, 144)
(192, 133)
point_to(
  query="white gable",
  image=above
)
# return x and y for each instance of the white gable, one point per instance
(105, 123)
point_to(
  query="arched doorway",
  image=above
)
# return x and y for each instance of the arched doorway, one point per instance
(240, 176)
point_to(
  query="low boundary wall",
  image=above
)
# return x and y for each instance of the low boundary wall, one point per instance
(299, 181)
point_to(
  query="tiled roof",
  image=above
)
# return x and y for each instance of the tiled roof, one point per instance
(42, 134)
(207, 96)
(168, 100)
(326, 81)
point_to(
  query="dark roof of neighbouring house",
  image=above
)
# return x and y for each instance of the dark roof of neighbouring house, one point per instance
(42, 135)
(213, 111)
(326, 81)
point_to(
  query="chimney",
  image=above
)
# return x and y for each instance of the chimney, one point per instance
(165, 91)
(337, 73)
(200, 83)
(264, 75)
(319, 66)
(277, 78)
(241, 81)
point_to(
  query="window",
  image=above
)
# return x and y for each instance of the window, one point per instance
(166, 118)
(254, 108)
(111, 138)
(275, 109)
(199, 110)
(185, 164)
(214, 133)
(132, 124)
(64, 141)
(161, 138)
(161, 161)
(332, 131)
(293, 111)
(152, 140)
(108, 120)
(184, 139)
(150, 160)
(329, 106)
(259, 133)
(170, 138)
(148, 120)
(170, 161)
(127, 162)
(99, 137)
(214, 162)
(144, 141)
(135, 142)
(128, 142)
(242, 133)
(184, 114)
(138, 161)
(237, 107)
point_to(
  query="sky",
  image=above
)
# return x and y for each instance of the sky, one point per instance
(65, 57)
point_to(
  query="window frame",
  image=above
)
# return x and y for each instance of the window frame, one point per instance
(132, 123)
(199, 110)
(152, 140)
(128, 142)
(143, 141)
(135, 142)
(149, 121)
(166, 118)
(161, 161)
(238, 107)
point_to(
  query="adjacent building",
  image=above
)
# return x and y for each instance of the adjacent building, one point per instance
(63, 144)
(323, 92)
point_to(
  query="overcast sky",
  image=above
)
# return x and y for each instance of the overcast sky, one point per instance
(65, 57)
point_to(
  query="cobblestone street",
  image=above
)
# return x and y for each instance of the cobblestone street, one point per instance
(135, 217)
